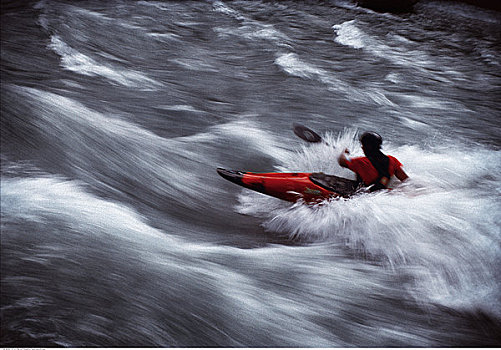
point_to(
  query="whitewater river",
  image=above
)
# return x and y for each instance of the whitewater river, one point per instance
(116, 229)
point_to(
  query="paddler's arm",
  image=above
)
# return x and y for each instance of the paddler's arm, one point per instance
(400, 174)
(343, 160)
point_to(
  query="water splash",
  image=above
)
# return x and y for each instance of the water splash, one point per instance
(442, 225)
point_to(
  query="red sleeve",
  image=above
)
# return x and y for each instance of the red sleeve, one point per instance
(394, 164)
(354, 164)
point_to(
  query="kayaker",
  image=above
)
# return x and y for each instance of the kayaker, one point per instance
(376, 168)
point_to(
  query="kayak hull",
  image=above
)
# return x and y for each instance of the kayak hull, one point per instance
(292, 187)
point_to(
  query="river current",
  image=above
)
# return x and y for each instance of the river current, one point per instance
(116, 229)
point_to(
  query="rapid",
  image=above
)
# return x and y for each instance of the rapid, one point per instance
(116, 229)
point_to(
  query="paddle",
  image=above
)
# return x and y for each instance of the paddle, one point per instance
(307, 134)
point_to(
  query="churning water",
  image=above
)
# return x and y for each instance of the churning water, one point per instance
(117, 231)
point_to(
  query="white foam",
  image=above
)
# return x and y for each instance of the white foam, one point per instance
(75, 61)
(268, 32)
(50, 198)
(348, 34)
(419, 101)
(250, 29)
(221, 7)
(403, 52)
(201, 63)
(293, 65)
(414, 124)
(441, 226)
(158, 5)
(184, 108)
(167, 36)
(257, 31)
(90, 13)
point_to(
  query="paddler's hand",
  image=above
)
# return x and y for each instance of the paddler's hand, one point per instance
(343, 160)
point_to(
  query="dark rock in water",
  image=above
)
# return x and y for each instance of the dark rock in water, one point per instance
(388, 5)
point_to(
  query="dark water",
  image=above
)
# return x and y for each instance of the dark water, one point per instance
(116, 230)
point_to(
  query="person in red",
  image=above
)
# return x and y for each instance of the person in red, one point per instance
(376, 168)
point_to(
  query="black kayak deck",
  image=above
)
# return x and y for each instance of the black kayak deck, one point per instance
(344, 187)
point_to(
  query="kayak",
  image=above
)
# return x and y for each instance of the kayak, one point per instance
(292, 187)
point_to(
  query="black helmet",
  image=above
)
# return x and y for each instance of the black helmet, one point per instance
(371, 139)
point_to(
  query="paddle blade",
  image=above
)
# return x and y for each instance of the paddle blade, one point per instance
(305, 133)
